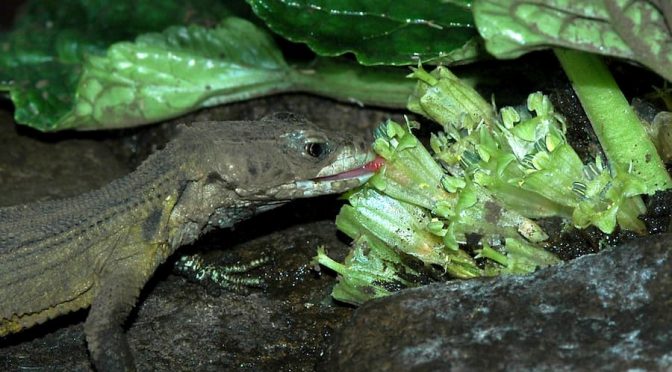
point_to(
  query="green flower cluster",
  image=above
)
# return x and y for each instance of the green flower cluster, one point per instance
(489, 176)
(522, 157)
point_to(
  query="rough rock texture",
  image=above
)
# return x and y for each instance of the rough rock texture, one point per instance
(609, 311)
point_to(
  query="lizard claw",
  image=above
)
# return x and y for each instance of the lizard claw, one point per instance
(221, 277)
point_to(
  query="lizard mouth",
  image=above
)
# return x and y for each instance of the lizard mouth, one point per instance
(366, 170)
(339, 182)
(328, 184)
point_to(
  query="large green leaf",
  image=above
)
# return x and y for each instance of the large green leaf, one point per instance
(637, 30)
(75, 79)
(163, 75)
(398, 32)
(40, 59)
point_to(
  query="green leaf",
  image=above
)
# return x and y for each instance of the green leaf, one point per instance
(167, 74)
(73, 79)
(636, 30)
(41, 57)
(376, 31)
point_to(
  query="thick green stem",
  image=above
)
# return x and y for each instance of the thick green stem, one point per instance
(350, 82)
(621, 134)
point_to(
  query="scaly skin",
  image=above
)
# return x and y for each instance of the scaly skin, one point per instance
(100, 248)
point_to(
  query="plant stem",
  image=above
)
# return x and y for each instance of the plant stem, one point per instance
(350, 82)
(621, 134)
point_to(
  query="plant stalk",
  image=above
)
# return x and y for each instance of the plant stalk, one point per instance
(350, 82)
(619, 130)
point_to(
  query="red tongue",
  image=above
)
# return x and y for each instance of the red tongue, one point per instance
(369, 167)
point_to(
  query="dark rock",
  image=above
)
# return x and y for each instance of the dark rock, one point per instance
(608, 311)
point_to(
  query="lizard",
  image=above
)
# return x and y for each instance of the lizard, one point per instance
(98, 249)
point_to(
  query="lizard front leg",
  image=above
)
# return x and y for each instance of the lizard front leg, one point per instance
(130, 257)
(118, 289)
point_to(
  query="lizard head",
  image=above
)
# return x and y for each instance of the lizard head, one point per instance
(284, 156)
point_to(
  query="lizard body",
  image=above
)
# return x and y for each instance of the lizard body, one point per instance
(100, 248)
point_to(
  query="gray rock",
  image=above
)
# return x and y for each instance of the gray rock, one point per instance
(607, 311)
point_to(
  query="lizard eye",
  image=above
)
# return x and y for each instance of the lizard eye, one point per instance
(316, 149)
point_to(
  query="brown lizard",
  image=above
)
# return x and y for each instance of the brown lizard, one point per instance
(100, 248)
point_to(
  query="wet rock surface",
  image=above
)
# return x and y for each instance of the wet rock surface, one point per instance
(607, 311)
